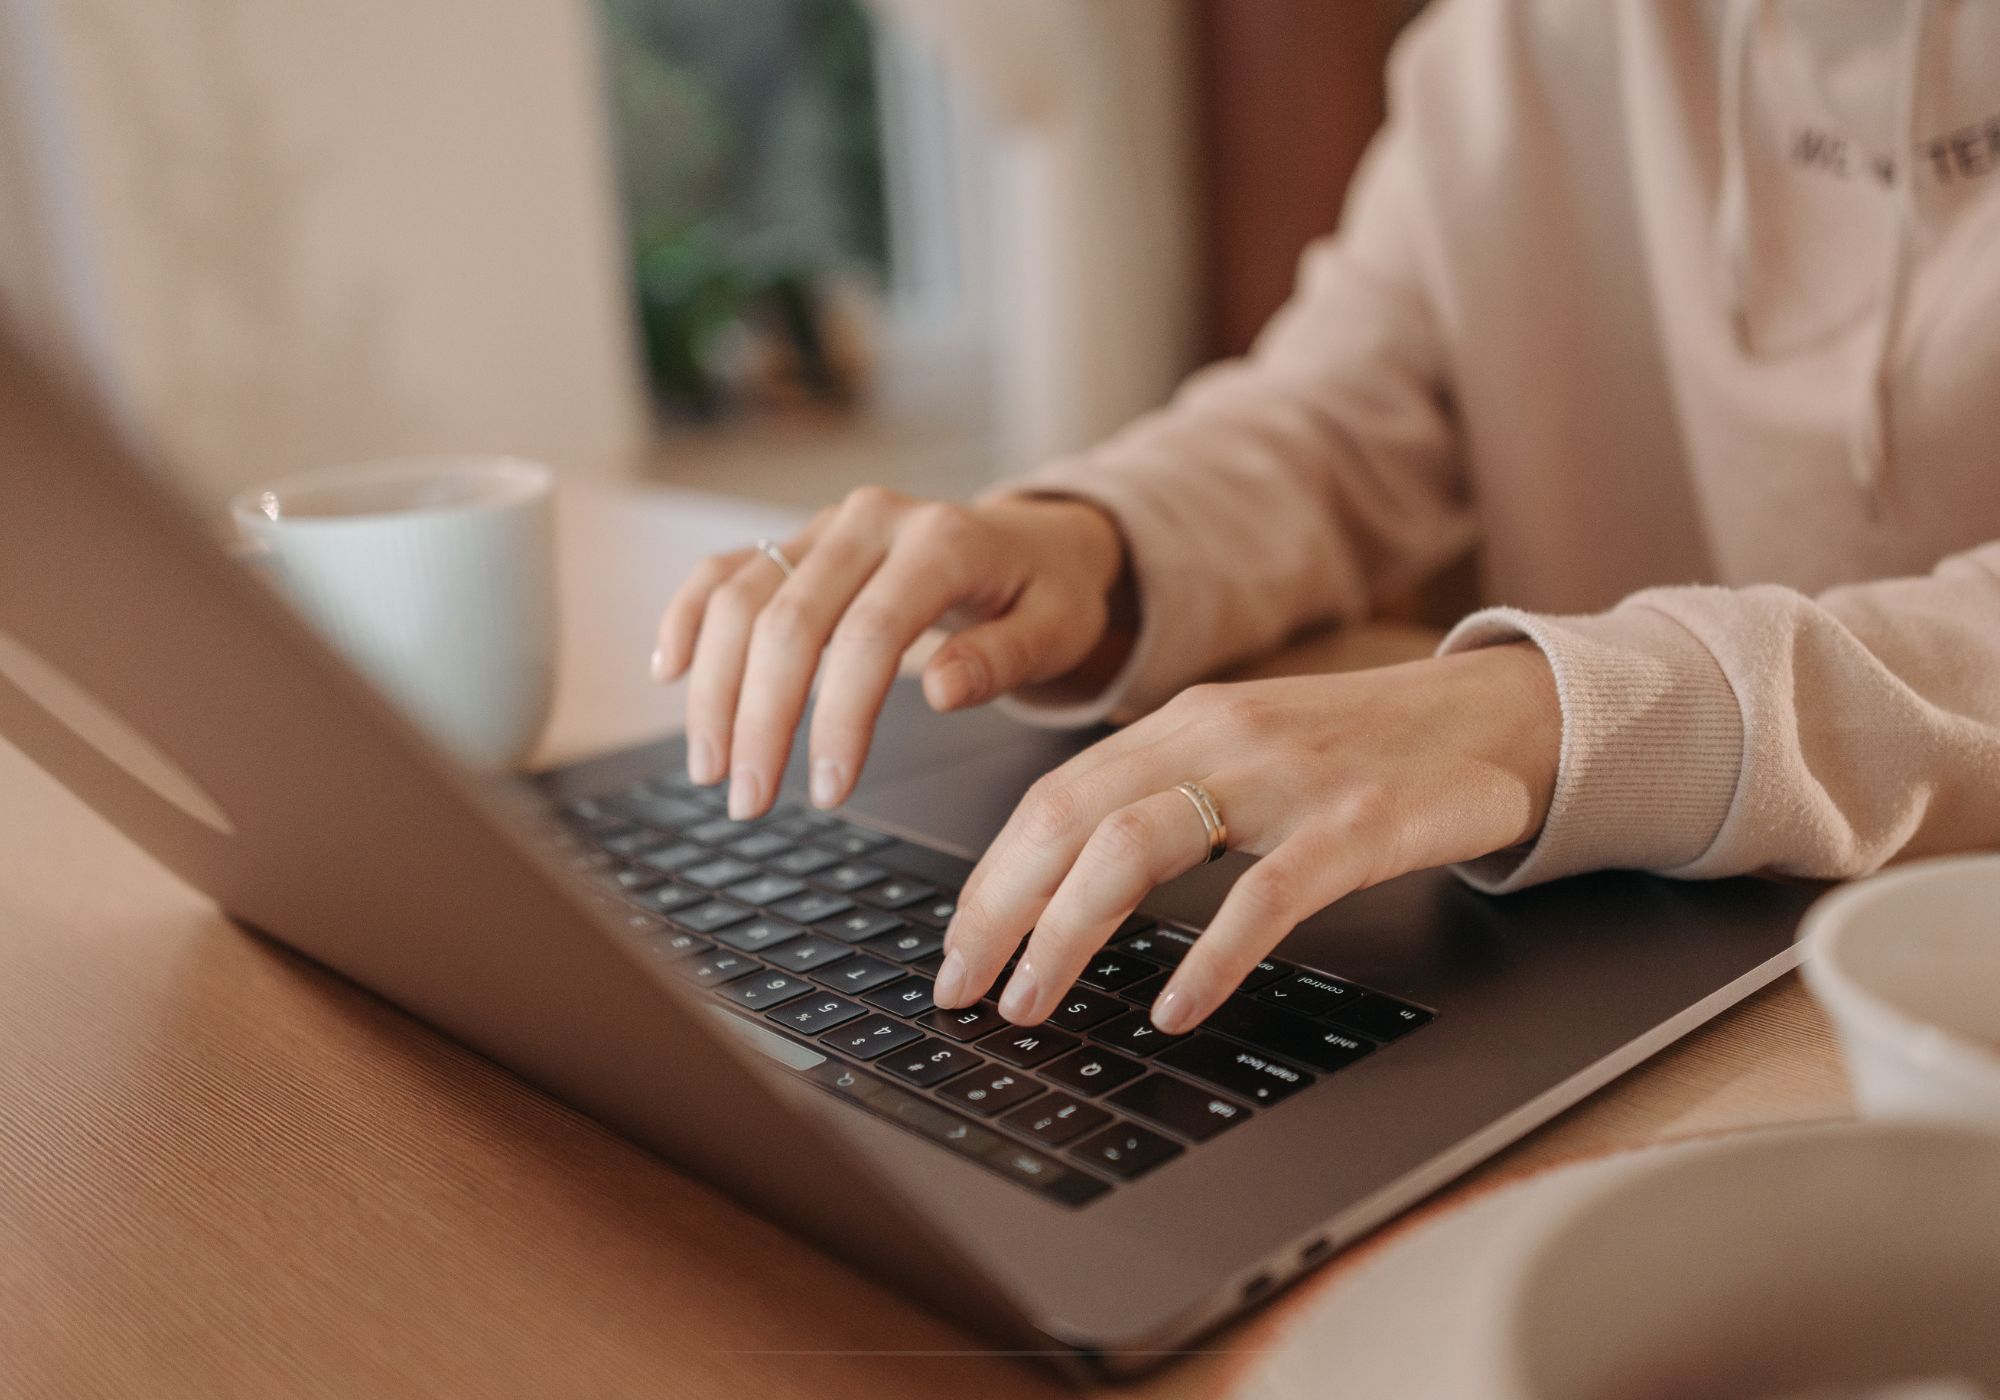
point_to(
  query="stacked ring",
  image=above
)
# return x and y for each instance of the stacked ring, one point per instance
(1212, 824)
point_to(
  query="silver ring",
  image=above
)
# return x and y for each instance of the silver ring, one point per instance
(1212, 824)
(770, 550)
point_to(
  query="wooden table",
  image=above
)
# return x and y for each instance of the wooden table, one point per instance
(225, 1173)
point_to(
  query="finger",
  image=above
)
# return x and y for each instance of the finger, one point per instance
(1039, 638)
(785, 645)
(716, 676)
(923, 578)
(1021, 870)
(680, 622)
(1135, 848)
(1303, 875)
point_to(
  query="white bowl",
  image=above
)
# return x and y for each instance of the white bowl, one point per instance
(1837, 1258)
(1908, 966)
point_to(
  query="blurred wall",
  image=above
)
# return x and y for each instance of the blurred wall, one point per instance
(323, 232)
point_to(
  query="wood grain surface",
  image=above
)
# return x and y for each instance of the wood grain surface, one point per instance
(224, 1172)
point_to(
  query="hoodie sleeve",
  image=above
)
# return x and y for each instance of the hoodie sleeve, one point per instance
(1295, 486)
(1716, 731)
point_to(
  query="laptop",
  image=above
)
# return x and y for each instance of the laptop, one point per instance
(750, 1000)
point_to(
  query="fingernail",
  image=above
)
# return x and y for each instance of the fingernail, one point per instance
(1018, 1001)
(828, 779)
(658, 664)
(950, 981)
(954, 684)
(703, 765)
(1173, 1013)
(746, 794)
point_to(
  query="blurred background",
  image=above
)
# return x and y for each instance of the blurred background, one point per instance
(767, 247)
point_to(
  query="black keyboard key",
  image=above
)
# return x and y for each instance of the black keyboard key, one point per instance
(758, 934)
(1125, 1150)
(714, 874)
(807, 953)
(1179, 1107)
(759, 846)
(858, 925)
(1055, 1119)
(1092, 1071)
(1143, 991)
(678, 856)
(636, 879)
(906, 945)
(766, 990)
(801, 860)
(814, 1014)
(992, 1090)
(847, 839)
(811, 907)
(1134, 1034)
(897, 893)
(965, 1023)
(940, 1125)
(1246, 1073)
(931, 1062)
(877, 1035)
(932, 913)
(802, 827)
(1027, 1166)
(764, 889)
(719, 831)
(1080, 1009)
(671, 899)
(662, 811)
(1163, 945)
(858, 974)
(632, 841)
(717, 969)
(846, 879)
(707, 918)
(1267, 971)
(675, 945)
(909, 997)
(1308, 993)
(1311, 1043)
(1109, 971)
(1027, 1046)
(1385, 1018)
(929, 965)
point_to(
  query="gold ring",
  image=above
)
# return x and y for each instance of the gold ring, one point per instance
(770, 550)
(1212, 824)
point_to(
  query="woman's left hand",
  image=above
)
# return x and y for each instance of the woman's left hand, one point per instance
(1339, 782)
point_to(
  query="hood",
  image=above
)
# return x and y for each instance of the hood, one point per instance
(1851, 130)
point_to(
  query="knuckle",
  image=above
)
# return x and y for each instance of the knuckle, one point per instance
(870, 502)
(1051, 813)
(786, 618)
(867, 627)
(1270, 894)
(942, 523)
(1124, 838)
(733, 601)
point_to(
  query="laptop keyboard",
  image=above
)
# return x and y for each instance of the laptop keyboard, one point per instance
(807, 923)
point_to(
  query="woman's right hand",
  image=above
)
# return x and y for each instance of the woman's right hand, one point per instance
(1028, 583)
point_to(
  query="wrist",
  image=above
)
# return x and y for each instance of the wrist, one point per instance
(1512, 685)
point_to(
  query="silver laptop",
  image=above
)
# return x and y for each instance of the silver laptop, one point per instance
(751, 1000)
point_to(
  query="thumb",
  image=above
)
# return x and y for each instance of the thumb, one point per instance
(1046, 634)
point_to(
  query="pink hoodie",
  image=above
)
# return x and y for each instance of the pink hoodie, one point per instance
(1686, 317)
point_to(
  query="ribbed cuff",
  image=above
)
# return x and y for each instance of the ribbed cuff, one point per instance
(1652, 747)
(1132, 688)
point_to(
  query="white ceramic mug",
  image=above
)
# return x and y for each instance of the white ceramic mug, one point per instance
(1907, 963)
(1851, 1259)
(436, 577)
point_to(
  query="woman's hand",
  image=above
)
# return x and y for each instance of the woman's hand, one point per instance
(1339, 782)
(1029, 581)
